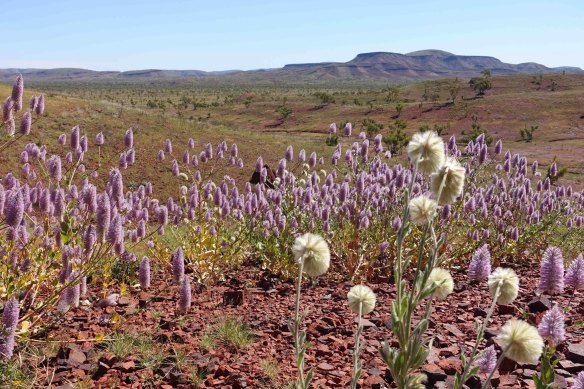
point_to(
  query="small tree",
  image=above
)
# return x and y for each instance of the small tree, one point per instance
(399, 106)
(396, 139)
(284, 112)
(475, 131)
(480, 85)
(454, 89)
(372, 127)
(325, 98)
(440, 129)
(527, 133)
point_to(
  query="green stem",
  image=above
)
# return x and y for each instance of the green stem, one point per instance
(479, 338)
(356, 350)
(297, 345)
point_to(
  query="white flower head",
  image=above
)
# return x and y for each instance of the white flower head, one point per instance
(313, 252)
(507, 281)
(443, 281)
(427, 148)
(361, 294)
(453, 174)
(422, 210)
(522, 342)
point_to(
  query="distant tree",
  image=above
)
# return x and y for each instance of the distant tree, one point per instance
(426, 94)
(553, 85)
(396, 138)
(372, 127)
(399, 106)
(440, 129)
(527, 133)
(475, 131)
(332, 140)
(392, 94)
(454, 89)
(480, 85)
(284, 112)
(325, 98)
(486, 73)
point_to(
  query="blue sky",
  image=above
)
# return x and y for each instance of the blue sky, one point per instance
(220, 35)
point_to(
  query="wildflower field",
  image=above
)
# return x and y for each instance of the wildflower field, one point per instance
(352, 258)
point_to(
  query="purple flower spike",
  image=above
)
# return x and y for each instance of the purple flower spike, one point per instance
(498, 147)
(10, 314)
(289, 153)
(129, 139)
(575, 273)
(480, 264)
(552, 271)
(25, 123)
(259, 164)
(551, 326)
(17, 91)
(33, 102)
(14, 208)
(102, 215)
(40, 107)
(99, 139)
(185, 295)
(9, 321)
(178, 265)
(168, 146)
(488, 360)
(74, 138)
(348, 129)
(144, 273)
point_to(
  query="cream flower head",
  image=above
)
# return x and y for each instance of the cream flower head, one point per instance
(422, 210)
(522, 342)
(453, 174)
(361, 294)
(427, 148)
(313, 252)
(443, 281)
(509, 285)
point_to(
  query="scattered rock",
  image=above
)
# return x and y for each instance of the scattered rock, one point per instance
(450, 365)
(76, 358)
(434, 373)
(233, 298)
(325, 366)
(507, 309)
(570, 366)
(576, 353)
(539, 304)
(109, 301)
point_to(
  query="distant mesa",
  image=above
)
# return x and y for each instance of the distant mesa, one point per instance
(375, 66)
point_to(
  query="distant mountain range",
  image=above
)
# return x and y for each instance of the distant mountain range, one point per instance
(377, 66)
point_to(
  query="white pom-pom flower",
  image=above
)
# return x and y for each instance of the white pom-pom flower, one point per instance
(363, 295)
(507, 281)
(427, 148)
(422, 210)
(443, 281)
(313, 253)
(452, 174)
(521, 342)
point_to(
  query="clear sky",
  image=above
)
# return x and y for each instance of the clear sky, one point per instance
(221, 35)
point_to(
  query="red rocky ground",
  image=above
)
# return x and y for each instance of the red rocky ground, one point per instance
(267, 306)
